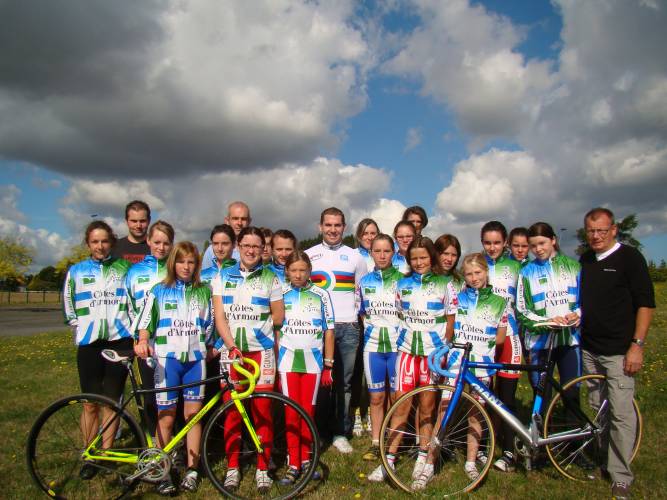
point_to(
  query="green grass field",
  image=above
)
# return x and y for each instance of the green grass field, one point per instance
(37, 370)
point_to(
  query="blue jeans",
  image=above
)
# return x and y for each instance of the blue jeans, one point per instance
(347, 343)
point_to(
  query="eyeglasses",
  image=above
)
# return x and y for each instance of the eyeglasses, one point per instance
(247, 247)
(601, 232)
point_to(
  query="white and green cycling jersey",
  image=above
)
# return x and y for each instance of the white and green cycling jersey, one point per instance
(308, 314)
(549, 288)
(206, 276)
(95, 300)
(503, 278)
(178, 318)
(423, 302)
(246, 298)
(141, 277)
(376, 296)
(479, 315)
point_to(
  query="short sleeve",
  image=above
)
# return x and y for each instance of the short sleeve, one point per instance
(216, 285)
(276, 290)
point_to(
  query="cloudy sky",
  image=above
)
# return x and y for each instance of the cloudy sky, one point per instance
(476, 110)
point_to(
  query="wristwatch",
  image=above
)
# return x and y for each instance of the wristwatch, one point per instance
(639, 342)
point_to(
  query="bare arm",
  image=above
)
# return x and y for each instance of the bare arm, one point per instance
(221, 323)
(634, 357)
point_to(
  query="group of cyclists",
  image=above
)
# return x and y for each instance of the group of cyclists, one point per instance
(255, 298)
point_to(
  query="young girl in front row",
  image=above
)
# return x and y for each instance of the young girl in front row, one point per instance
(307, 331)
(481, 319)
(176, 319)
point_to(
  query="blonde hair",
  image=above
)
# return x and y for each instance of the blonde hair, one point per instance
(475, 259)
(181, 249)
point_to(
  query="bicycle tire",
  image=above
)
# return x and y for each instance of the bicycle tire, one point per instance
(450, 454)
(215, 459)
(56, 442)
(564, 455)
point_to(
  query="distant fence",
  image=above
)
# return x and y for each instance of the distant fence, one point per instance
(37, 297)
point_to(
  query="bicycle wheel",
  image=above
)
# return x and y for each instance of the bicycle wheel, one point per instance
(576, 459)
(58, 438)
(227, 444)
(447, 449)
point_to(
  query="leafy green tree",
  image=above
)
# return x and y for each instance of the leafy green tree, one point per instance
(77, 254)
(15, 258)
(626, 226)
(46, 279)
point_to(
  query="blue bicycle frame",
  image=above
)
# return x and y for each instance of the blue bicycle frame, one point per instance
(530, 435)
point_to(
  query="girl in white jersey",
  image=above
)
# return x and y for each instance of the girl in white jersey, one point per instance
(305, 356)
(367, 230)
(174, 326)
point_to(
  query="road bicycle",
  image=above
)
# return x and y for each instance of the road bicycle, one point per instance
(124, 454)
(572, 428)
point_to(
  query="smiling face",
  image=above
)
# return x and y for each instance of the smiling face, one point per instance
(282, 249)
(519, 247)
(420, 260)
(404, 236)
(448, 258)
(332, 228)
(493, 243)
(542, 247)
(475, 276)
(368, 236)
(99, 243)
(159, 244)
(382, 251)
(250, 250)
(137, 225)
(238, 217)
(298, 273)
(185, 266)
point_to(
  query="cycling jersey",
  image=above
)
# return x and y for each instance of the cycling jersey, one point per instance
(458, 284)
(308, 314)
(401, 263)
(210, 272)
(95, 300)
(337, 269)
(178, 318)
(479, 315)
(246, 298)
(376, 295)
(503, 278)
(423, 302)
(139, 280)
(209, 259)
(549, 288)
(368, 259)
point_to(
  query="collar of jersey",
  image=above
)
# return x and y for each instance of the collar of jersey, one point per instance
(304, 287)
(363, 251)
(332, 247)
(237, 267)
(279, 267)
(105, 261)
(545, 262)
(387, 273)
(182, 284)
(421, 277)
(225, 263)
(482, 293)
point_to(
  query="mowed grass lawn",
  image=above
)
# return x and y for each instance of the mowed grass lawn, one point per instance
(37, 370)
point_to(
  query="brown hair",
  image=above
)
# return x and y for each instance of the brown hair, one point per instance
(296, 256)
(425, 243)
(545, 230)
(361, 227)
(445, 241)
(332, 211)
(137, 205)
(517, 231)
(285, 234)
(163, 227)
(494, 225)
(383, 237)
(404, 223)
(99, 224)
(225, 229)
(181, 249)
(417, 210)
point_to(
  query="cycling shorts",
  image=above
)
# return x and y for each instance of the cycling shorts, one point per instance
(510, 352)
(267, 367)
(378, 368)
(170, 372)
(412, 371)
